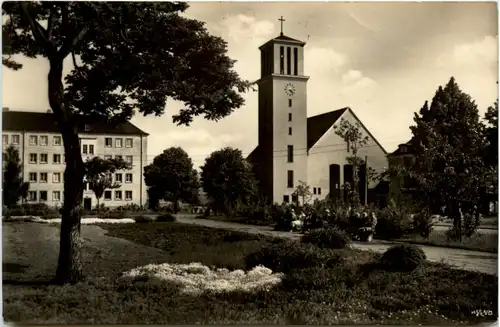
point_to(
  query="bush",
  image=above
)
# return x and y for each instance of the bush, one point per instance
(393, 223)
(330, 237)
(282, 217)
(288, 255)
(166, 218)
(423, 224)
(143, 219)
(113, 215)
(403, 258)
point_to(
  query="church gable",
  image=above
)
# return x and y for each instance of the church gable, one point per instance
(318, 125)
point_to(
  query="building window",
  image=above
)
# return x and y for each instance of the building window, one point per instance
(118, 178)
(108, 142)
(86, 128)
(289, 117)
(286, 198)
(282, 60)
(118, 143)
(5, 139)
(295, 198)
(44, 158)
(128, 143)
(33, 177)
(33, 158)
(128, 195)
(107, 195)
(128, 178)
(290, 179)
(84, 149)
(314, 190)
(56, 196)
(57, 140)
(56, 177)
(319, 190)
(33, 140)
(43, 177)
(43, 195)
(118, 157)
(289, 131)
(288, 61)
(91, 149)
(290, 153)
(44, 140)
(32, 196)
(295, 61)
(118, 195)
(4, 157)
(129, 159)
(15, 139)
(289, 102)
(56, 158)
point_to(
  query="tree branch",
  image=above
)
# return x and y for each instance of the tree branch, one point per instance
(39, 33)
(50, 26)
(71, 40)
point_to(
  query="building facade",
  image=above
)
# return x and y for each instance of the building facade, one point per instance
(293, 147)
(40, 145)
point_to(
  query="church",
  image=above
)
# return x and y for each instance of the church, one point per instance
(293, 147)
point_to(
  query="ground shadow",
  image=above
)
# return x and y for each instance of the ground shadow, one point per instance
(14, 268)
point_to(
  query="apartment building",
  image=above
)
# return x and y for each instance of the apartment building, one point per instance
(41, 150)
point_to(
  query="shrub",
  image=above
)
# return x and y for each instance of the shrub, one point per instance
(403, 258)
(113, 215)
(393, 222)
(143, 219)
(166, 218)
(330, 237)
(288, 255)
(423, 223)
(282, 217)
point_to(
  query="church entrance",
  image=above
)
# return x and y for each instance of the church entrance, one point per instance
(334, 182)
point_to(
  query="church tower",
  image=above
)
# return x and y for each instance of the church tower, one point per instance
(282, 118)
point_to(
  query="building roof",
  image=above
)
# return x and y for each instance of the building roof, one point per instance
(285, 39)
(400, 151)
(45, 122)
(317, 126)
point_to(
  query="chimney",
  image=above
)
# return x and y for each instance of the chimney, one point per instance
(5, 109)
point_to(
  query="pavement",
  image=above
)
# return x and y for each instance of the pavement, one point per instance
(462, 259)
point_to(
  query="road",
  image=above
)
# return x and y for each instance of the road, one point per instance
(464, 259)
(444, 228)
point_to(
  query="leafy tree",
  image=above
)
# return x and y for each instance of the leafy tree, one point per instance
(172, 177)
(355, 139)
(449, 145)
(13, 186)
(98, 173)
(227, 179)
(303, 191)
(127, 57)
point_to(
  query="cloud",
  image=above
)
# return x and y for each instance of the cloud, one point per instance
(482, 52)
(244, 28)
(323, 61)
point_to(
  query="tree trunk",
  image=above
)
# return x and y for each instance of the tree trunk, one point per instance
(69, 268)
(176, 206)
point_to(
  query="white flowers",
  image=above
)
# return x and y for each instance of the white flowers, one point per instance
(196, 278)
(88, 221)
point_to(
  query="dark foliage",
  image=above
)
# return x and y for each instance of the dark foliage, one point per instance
(143, 219)
(282, 217)
(403, 258)
(292, 255)
(166, 218)
(330, 237)
(13, 186)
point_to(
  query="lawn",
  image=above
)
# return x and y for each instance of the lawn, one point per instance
(353, 291)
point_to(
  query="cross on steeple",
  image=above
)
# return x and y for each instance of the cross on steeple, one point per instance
(281, 20)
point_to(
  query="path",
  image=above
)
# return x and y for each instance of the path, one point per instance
(465, 259)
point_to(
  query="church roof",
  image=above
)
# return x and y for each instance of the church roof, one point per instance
(285, 39)
(318, 125)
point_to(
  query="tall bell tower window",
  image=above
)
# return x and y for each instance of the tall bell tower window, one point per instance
(282, 60)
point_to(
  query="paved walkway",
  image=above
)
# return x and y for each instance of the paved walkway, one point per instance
(464, 259)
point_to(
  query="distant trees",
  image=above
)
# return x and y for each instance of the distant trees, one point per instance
(449, 146)
(171, 176)
(227, 180)
(13, 186)
(99, 174)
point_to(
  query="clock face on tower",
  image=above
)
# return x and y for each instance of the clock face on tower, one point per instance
(290, 89)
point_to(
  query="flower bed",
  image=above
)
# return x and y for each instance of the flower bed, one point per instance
(195, 278)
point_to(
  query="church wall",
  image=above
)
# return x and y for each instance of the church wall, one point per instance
(282, 138)
(331, 149)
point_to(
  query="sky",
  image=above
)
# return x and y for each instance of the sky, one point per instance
(384, 60)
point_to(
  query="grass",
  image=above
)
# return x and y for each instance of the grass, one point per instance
(355, 291)
(238, 219)
(479, 241)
